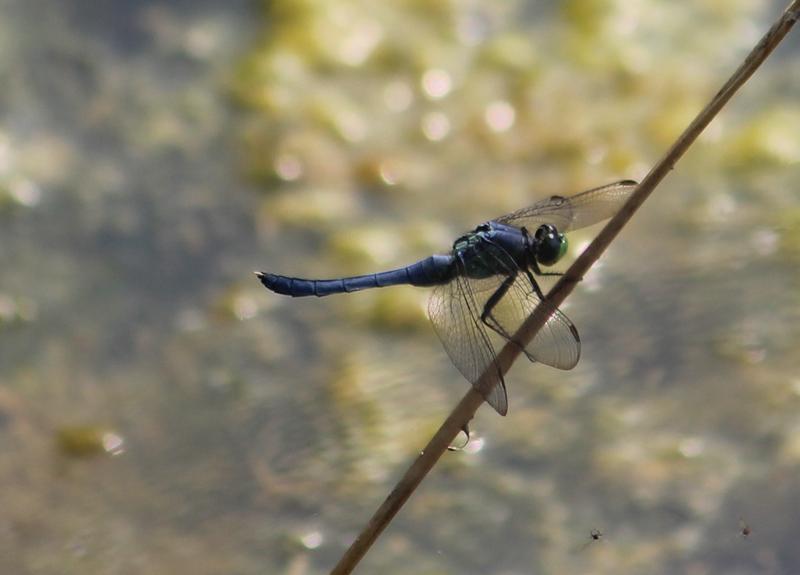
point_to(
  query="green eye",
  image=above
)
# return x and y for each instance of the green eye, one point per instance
(551, 249)
(562, 249)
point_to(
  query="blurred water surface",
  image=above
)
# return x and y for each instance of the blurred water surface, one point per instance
(160, 412)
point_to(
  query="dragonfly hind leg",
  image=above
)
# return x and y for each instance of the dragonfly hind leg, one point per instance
(486, 316)
(491, 303)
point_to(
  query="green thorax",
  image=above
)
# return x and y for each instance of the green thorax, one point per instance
(478, 256)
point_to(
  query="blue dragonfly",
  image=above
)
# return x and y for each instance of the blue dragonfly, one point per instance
(486, 287)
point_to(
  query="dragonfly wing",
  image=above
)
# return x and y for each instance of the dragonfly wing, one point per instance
(573, 212)
(557, 344)
(455, 315)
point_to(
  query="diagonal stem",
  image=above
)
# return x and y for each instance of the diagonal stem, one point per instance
(466, 408)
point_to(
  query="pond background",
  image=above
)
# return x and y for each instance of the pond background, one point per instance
(161, 412)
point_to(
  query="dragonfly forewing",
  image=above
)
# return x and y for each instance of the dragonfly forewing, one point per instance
(573, 212)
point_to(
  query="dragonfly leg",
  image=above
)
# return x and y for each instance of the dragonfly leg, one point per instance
(493, 300)
(535, 284)
(538, 271)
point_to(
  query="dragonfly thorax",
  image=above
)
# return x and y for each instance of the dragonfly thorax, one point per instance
(487, 251)
(494, 248)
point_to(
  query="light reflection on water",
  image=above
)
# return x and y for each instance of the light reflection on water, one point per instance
(259, 433)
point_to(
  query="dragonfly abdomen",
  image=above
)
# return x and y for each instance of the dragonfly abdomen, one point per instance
(433, 270)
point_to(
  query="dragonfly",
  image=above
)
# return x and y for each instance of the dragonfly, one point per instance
(485, 288)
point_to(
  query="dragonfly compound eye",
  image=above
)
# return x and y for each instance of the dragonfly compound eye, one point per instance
(552, 247)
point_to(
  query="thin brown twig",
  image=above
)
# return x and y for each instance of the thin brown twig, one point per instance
(466, 408)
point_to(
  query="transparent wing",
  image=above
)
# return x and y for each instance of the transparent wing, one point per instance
(571, 213)
(507, 299)
(456, 319)
(557, 344)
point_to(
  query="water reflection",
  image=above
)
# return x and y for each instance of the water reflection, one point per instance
(153, 155)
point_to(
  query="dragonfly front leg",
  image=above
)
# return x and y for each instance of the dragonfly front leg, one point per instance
(538, 271)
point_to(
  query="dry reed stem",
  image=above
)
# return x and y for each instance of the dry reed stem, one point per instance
(466, 408)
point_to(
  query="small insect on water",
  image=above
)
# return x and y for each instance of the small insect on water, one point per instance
(594, 536)
(744, 529)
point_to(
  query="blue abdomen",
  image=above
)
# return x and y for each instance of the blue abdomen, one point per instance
(434, 270)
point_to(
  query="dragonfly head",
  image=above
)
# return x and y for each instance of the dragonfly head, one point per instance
(550, 245)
